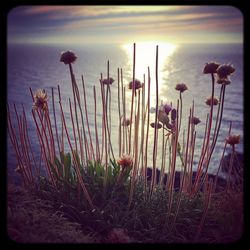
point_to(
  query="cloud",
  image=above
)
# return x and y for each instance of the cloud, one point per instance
(122, 21)
(92, 10)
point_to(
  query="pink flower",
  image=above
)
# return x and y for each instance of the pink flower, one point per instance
(68, 57)
(210, 68)
(40, 99)
(195, 120)
(181, 87)
(137, 84)
(108, 81)
(209, 101)
(125, 161)
(225, 70)
(158, 125)
(233, 139)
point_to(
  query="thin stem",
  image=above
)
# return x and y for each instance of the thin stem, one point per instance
(218, 129)
(209, 129)
(119, 113)
(87, 118)
(155, 128)
(132, 103)
(180, 111)
(146, 143)
(96, 132)
(54, 113)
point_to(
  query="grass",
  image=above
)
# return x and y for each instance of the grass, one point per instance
(46, 215)
(32, 219)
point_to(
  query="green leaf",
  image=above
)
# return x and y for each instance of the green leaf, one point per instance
(116, 168)
(179, 147)
(110, 174)
(127, 172)
(59, 166)
(53, 170)
(90, 168)
(98, 170)
(67, 166)
(62, 156)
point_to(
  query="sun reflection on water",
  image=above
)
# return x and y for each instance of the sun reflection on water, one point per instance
(146, 57)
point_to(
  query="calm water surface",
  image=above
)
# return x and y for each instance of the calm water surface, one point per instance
(39, 67)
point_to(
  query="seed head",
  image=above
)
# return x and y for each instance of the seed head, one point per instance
(68, 57)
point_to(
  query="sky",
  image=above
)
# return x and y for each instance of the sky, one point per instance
(124, 24)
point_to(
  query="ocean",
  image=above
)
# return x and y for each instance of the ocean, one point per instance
(39, 66)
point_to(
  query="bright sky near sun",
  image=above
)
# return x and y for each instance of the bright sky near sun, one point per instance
(124, 24)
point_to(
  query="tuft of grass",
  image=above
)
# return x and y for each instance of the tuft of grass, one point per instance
(47, 215)
(32, 219)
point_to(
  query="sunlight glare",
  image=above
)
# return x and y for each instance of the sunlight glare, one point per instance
(146, 57)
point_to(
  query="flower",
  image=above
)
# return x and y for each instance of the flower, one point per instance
(210, 68)
(158, 125)
(225, 70)
(233, 139)
(225, 81)
(163, 117)
(166, 108)
(126, 122)
(108, 81)
(125, 161)
(173, 114)
(195, 120)
(40, 99)
(68, 57)
(209, 101)
(137, 84)
(181, 87)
